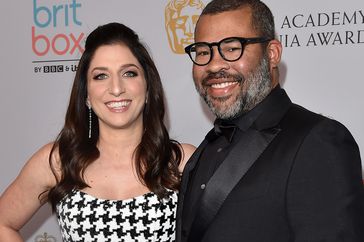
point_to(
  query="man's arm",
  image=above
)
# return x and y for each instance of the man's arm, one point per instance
(325, 194)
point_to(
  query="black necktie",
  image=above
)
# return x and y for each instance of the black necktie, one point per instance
(222, 128)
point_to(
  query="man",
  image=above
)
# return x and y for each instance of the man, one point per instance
(270, 170)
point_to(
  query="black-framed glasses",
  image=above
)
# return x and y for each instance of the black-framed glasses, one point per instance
(230, 49)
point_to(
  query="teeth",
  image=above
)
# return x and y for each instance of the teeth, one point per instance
(222, 85)
(118, 104)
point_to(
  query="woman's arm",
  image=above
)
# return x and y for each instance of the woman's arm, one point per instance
(21, 199)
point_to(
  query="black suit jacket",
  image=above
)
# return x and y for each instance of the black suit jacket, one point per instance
(294, 176)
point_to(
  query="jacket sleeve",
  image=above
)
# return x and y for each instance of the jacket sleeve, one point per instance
(325, 193)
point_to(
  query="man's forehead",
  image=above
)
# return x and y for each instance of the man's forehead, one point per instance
(214, 27)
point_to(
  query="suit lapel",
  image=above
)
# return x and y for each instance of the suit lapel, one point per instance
(237, 163)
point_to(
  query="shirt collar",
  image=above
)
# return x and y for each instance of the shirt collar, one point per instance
(266, 113)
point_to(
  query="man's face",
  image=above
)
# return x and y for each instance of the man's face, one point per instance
(231, 88)
(181, 27)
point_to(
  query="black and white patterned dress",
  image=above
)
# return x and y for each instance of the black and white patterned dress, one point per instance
(83, 217)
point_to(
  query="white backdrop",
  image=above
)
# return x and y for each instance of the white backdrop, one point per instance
(322, 70)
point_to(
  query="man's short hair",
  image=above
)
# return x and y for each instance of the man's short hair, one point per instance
(262, 17)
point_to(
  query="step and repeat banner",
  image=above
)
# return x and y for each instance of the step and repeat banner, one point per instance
(42, 40)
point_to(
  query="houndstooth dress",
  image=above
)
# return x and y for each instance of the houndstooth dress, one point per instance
(83, 217)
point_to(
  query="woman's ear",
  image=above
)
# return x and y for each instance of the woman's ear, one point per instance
(88, 103)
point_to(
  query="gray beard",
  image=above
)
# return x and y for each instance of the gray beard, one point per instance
(258, 84)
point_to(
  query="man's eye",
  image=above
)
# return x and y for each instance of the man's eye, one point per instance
(232, 49)
(202, 53)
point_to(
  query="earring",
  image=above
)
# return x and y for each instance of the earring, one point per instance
(88, 104)
(89, 121)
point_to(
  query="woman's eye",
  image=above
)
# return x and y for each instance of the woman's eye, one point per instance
(100, 76)
(130, 74)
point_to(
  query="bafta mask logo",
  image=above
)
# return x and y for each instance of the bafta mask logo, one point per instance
(45, 238)
(180, 21)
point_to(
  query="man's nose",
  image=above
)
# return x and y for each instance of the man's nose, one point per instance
(217, 62)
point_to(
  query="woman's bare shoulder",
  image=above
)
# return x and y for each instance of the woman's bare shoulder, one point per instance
(187, 150)
(43, 160)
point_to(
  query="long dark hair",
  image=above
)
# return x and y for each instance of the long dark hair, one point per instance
(157, 156)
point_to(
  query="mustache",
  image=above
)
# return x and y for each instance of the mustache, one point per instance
(223, 74)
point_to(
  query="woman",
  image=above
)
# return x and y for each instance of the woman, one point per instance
(113, 172)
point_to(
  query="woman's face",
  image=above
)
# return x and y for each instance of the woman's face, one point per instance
(117, 88)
